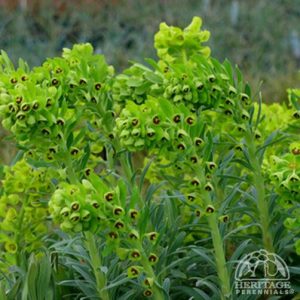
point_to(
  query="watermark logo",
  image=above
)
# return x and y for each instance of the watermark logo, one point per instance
(262, 273)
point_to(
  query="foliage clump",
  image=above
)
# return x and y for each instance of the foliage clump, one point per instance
(145, 172)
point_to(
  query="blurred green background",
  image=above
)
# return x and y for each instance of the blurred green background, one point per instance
(261, 36)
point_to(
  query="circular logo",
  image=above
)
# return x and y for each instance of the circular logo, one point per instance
(262, 265)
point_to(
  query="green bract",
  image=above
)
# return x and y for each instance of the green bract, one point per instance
(172, 42)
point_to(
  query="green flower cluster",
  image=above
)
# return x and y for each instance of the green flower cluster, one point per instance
(96, 207)
(157, 124)
(273, 114)
(173, 42)
(285, 175)
(194, 179)
(85, 207)
(207, 84)
(49, 107)
(24, 209)
(190, 78)
(200, 84)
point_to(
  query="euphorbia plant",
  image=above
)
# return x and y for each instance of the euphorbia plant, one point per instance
(24, 210)
(157, 167)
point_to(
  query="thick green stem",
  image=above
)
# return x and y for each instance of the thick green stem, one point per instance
(219, 252)
(96, 265)
(262, 204)
(219, 256)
